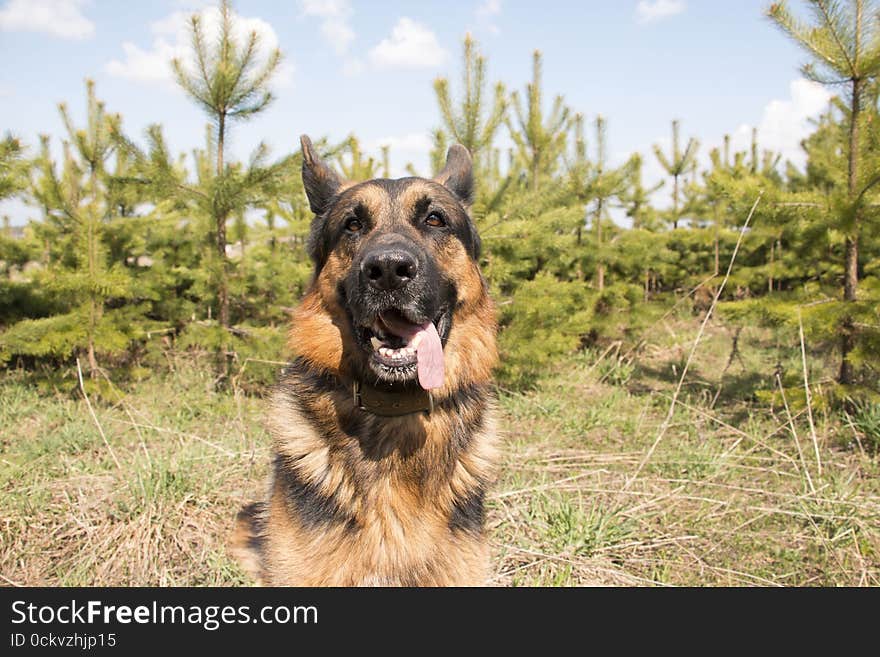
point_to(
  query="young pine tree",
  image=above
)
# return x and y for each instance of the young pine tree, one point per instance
(470, 125)
(676, 165)
(600, 186)
(230, 84)
(637, 199)
(81, 276)
(715, 202)
(13, 167)
(16, 296)
(540, 141)
(199, 199)
(353, 164)
(843, 42)
(386, 160)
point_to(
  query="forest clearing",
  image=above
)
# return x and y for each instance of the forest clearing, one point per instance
(729, 496)
(688, 390)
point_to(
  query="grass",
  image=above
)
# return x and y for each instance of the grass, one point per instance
(865, 419)
(724, 499)
(190, 457)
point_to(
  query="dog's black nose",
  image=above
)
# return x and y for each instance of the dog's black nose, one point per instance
(389, 269)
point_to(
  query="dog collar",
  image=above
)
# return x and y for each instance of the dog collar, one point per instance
(391, 404)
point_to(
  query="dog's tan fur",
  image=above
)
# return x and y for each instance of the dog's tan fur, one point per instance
(358, 499)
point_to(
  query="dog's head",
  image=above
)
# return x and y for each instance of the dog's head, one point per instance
(397, 283)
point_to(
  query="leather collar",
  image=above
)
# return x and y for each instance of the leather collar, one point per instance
(391, 404)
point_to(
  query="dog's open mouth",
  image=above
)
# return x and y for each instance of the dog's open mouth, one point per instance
(403, 349)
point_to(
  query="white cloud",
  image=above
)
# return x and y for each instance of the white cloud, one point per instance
(785, 123)
(145, 65)
(171, 39)
(326, 8)
(352, 66)
(411, 45)
(60, 18)
(489, 8)
(782, 127)
(648, 11)
(412, 148)
(193, 5)
(335, 26)
(486, 12)
(338, 34)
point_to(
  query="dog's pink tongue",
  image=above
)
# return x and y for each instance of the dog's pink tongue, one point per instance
(429, 350)
(429, 353)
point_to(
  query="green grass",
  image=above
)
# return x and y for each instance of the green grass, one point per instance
(726, 497)
(189, 458)
(865, 419)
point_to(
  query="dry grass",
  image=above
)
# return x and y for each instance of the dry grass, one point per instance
(723, 500)
(189, 458)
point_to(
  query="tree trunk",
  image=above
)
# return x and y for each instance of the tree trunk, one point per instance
(779, 260)
(96, 303)
(535, 172)
(770, 274)
(717, 263)
(222, 283)
(93, 361)
(225, 361)
(850, 283)
(851, 258)
(675, 202)
(716, 238)
(600, 265)
(273, 241)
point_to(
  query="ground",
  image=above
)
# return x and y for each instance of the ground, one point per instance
(599, 484)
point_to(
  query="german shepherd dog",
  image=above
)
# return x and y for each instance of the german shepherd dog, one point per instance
(383, 424)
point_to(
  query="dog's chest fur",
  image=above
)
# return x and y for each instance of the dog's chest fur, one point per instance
(357, 499)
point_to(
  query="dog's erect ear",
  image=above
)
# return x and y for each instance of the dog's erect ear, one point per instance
(320, 181)
(458, 174)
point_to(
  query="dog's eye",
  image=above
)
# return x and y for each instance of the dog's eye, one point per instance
(354, 225)
(436, 220)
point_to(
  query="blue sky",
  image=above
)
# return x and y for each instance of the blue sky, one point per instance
(367, 68)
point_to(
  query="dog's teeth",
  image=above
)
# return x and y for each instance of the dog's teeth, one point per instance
(399, 354)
